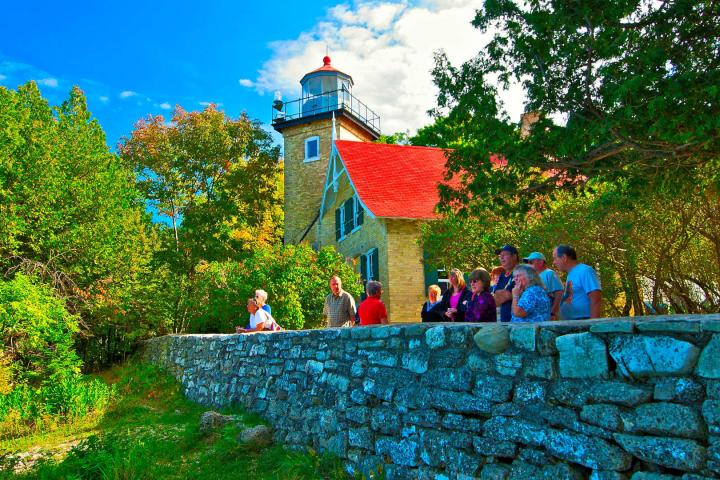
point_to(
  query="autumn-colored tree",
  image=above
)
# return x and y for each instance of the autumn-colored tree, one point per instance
(218, 183)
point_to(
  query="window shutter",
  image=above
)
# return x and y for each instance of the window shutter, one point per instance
(349, 221)
(360, 212)
(363, 275)
(375, 264)
(338, 224)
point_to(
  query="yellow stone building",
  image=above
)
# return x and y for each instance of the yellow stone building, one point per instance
(366, 199)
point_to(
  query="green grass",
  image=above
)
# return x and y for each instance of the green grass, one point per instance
(150, 431)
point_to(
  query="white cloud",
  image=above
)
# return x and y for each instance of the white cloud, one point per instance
(2, 77)
(246, 82)
(207, 104)
(127, 94)
(104, 99)
(48, 82)
(388, 49)
(165, 106)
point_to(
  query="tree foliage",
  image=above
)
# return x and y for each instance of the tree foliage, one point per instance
(636, 81)
(295, 276)
(71, 214)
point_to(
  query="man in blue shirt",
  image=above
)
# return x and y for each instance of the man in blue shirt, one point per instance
(553, 285)
(509, 258)
(583, 296)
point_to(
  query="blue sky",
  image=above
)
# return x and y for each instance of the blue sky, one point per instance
(136, 58)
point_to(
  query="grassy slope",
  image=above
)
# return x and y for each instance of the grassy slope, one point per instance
(151, 431)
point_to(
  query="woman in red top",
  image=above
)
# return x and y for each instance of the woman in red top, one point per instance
(372, 310)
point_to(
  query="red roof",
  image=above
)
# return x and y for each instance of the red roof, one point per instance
(395, 181)
(326, 68)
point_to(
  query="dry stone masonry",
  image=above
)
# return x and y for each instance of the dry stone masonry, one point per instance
(606, 399)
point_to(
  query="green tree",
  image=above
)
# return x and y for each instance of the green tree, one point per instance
(636, 80)
(218, 181)
(295, 276)
(71, 214)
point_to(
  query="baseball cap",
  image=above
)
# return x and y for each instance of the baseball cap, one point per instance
(534, 256)
(507, 248)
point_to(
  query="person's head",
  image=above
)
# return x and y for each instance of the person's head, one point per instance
(509, 257)
(335, 285)
(434, 293)
(374, 289)
(536, 260)
(564, 257)
(457, 279)
(261, 297)
(480, 280)
(252, 306)
(526, 276)
(495, 274)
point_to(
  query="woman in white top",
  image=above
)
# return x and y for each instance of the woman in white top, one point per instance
(259, 319)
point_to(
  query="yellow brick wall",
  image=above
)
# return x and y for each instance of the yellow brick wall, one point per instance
(304, 181)
(405, 269)
(400, 257)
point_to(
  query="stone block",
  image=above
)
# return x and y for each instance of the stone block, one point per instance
(668, 452)
(460, 465)
(713, 389)
(479, 363)
(607, 475)
(623, 326)
(495, 471)
(662, 418)
(652, 476)
(458, 402)
(453, 421)
(492, 448)
(711, 325)
(569, 392)
(682, 390)
(457, 379)
(562, 471)
(541, 367)
(313, 367)
(520, 470)
(605, 416)
(711, 412)
(534, 456)
(357, 414)
(495, 389)
(524, 337)
(618, 392)
(385, 420)
(492, 338)
(529, 391)
(546, 342)
(435, 337)
(423, 418)
(508, 364)
(582, 355)
(402, 452)
(709, 364)
(415, 361)
(643, 356)
(672, 326)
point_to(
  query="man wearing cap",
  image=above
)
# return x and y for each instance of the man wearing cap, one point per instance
(553, 285)
(583, 296)
(509, 258)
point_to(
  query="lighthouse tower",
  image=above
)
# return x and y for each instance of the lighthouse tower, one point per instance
(306, 125)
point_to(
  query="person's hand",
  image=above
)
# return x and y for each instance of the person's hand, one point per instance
(517, 290)
(450, 312)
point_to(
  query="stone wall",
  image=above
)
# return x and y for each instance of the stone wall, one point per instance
(610, 399)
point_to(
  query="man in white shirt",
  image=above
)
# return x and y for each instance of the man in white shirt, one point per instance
(259, 319)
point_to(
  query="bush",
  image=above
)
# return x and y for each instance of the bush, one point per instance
(295, 277)
(40, 383)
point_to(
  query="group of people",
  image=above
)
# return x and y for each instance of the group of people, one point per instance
(515, 291)
(518, 292)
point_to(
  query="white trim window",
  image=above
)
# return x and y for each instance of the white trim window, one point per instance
(348, 217)
(312, 149)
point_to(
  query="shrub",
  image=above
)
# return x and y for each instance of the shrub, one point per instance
(295, 277)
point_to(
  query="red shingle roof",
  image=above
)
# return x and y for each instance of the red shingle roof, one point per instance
(395, 181)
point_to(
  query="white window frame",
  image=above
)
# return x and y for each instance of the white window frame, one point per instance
(356, 214)
(317, 157)
(343, 234)
(368, 266)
